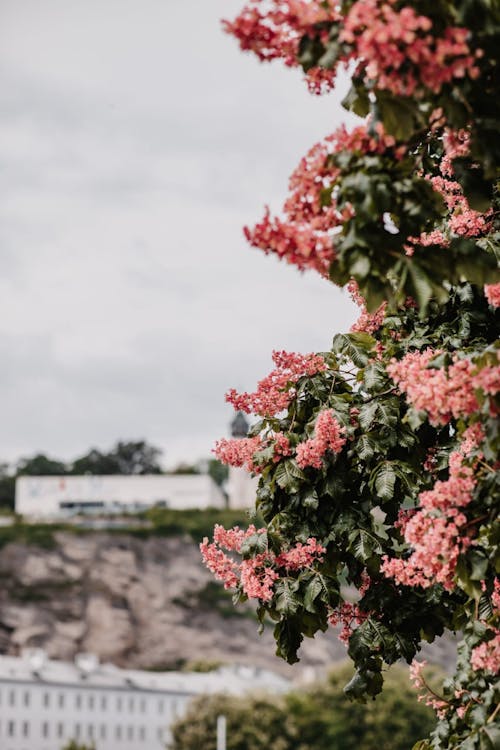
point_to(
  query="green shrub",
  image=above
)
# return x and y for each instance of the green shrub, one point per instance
(318, 718)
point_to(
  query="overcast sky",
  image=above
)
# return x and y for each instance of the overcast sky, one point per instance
(135, 142)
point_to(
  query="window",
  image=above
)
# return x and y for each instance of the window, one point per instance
(160, 706)
(131, 704)
(60, 730)
(26, 698)
(78, 700)
(77, 730)
(11, 729)
(118, 732)
(143, 705)
(12, 698)
(103, 731)
(130, 733)
(61, 700)
(119, 703)
(90, 732)
(45, 729)
(26, 729)
(104, 702)
(46, 700)
(142, 733)
(160, 733)
(91, 702)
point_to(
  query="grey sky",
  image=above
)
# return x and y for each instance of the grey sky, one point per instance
(135, 142)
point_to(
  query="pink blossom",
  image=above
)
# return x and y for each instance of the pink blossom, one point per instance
(443, 393)
(301, 555)
(328, 435)
(399, 52)
(275, 392)
(367, 322)
(348, 616)
(305, 237)
(282, 446)
(256, 576)
(238, 451)
(487, 655)
(492, 294)
(436, 531)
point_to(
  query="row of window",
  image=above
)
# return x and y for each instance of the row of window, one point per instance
(80, 731)
(91, 702)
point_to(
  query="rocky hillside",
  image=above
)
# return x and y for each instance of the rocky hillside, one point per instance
(137, 602)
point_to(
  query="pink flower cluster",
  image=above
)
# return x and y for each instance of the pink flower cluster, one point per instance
(275, 392)
(306, 237)
(273, 30)
(348, 616)
(436, 531)
(257, 575)
(238, 451)
(487, 655)
(398, 51)
(492, 294)
(443, 393)
(463, 221)
(328, 436)
(300, 556)
(299, 244)
(367, 322)
(418, 681)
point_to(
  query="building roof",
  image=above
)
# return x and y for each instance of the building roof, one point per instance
(239, 425)
(87, 673)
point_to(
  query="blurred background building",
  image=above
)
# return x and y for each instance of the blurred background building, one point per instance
(46, 703)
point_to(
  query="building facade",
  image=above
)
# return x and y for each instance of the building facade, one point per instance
(67, 495)
(44, 704)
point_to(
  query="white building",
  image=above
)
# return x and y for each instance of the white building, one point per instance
(44, 704)
(241, 486)
(51, 496)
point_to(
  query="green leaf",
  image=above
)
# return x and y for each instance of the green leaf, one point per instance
(313, 590)
(356, 346)
(421, 286)
(491, 733)
(364, 448)
(367, 414)
(288, 639)
(363, 545)
(288, 474)
(286, 600)
(385, 479)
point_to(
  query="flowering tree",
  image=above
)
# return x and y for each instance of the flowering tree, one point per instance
(378, 460)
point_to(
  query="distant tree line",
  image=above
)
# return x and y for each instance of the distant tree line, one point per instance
(125, 457)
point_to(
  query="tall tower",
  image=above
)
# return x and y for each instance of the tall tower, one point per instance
(241, 487)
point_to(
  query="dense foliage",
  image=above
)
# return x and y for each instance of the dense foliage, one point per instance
(317, 718)
(378, 460)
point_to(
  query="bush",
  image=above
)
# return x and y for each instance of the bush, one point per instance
(319, 718)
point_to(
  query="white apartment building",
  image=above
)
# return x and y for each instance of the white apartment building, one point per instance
(46, 496)
(45, 703)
